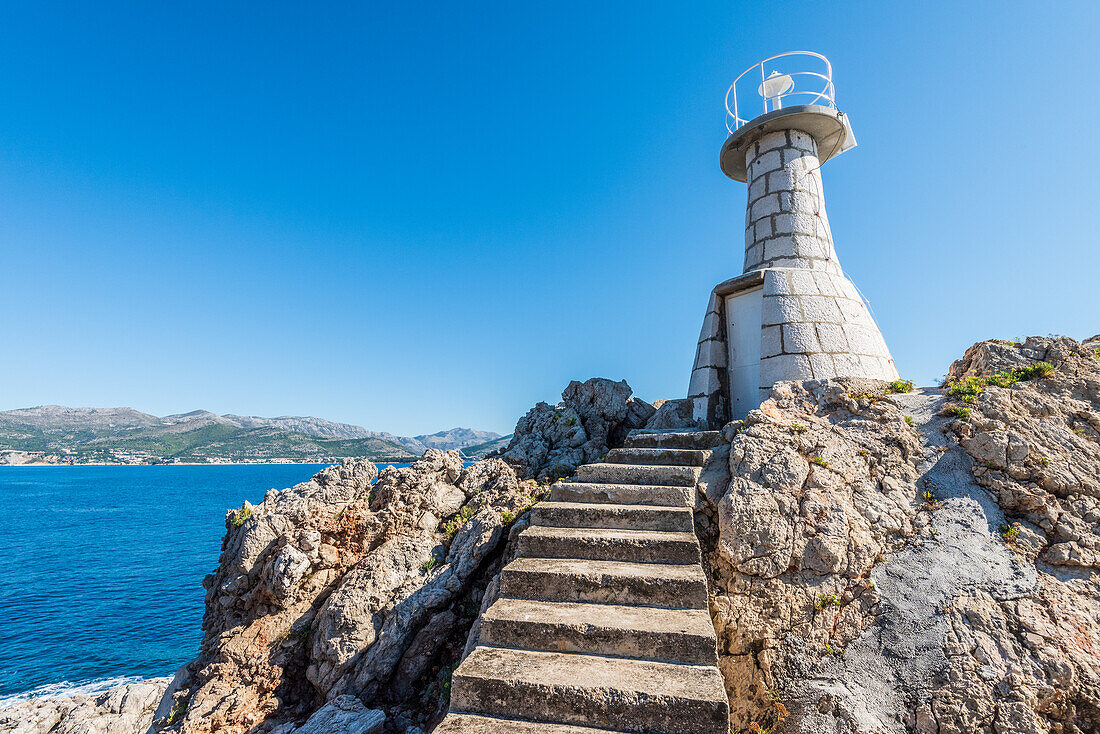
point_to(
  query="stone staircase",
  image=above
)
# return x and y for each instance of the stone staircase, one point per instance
(602, 621)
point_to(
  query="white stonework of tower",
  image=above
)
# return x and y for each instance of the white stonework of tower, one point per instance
(793, 314)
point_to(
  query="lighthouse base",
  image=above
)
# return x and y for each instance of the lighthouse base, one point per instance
(781, 324)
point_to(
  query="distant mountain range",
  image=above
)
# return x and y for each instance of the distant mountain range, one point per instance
(54, 434)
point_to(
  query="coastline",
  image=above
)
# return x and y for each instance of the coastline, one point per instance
(405, 460)
(69, 689)
(114, 704)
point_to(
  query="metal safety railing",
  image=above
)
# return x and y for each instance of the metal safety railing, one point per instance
(777, 88)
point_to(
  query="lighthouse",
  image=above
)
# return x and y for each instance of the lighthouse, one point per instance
(792, 314)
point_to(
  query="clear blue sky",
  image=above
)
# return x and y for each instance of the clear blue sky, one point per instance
(413, 216)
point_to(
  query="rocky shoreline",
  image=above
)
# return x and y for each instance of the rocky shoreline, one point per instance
(879, 559)
(124, 709)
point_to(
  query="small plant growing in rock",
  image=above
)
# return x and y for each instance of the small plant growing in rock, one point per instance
(909, 420)
(930, 497)
(781, 711)
(798, 428)
(1009, 533)
(452, 526)
(820, 462)
(826, 600)
(1043, 461)
(176, 712)
(830, 650)
(1037, 370)
(440, 688)
(863, 452)
(570, 421)
(429, 564)
(755, 728)
(967, 388)
(959, 411)
(900, 386)
(240, 516)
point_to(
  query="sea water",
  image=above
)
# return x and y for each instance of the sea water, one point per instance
(101, 568)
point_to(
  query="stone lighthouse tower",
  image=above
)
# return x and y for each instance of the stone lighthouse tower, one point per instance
(792, 314)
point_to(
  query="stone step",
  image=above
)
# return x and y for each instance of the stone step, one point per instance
(614, 693)
(604, 473)
(652, 456)
(680, 586)
(639, 438)
(611, 630)
(608, 544)
(623, 494)
(476, 724)
(629, 517)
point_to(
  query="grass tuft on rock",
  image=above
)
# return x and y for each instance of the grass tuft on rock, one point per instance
(452, 526)
(900, 386)
(970, 387)
(240, 516)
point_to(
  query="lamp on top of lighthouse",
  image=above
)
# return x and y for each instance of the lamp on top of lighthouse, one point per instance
(774, 87)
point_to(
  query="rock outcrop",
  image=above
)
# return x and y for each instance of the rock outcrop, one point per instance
(343, 602)
(915, 562)
(125, 709)
(551, 441)
(878, 560)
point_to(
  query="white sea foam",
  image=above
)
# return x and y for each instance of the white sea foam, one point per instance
(70, 688)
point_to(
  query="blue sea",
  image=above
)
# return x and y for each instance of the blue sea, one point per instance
(101, 568)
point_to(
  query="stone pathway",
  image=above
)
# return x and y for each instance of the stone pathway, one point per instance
(602, 621)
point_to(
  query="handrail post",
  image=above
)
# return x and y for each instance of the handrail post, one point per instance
(762, 81)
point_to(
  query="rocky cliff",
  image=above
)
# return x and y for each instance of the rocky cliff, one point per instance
(343, 603)
(880, 559)
(889, 561)
(344, 591)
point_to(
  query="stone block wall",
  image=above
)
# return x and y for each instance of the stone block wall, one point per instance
(786, 225)
(817, 326)
(708, 390)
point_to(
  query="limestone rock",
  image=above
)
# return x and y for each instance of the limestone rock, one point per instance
(125, 709)
(343, 715)
(552, 441)
(673, 414)
(341, 600)
(936, 574)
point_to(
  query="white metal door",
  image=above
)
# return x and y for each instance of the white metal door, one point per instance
(744, 314)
